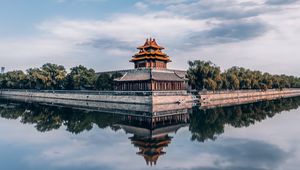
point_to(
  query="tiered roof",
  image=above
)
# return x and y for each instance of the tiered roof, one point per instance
(150, 50)
(151, 74)
(151, 43)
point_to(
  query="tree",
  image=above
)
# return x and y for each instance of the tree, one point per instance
(14, 80)
(49, 76)
(204, 75)
(201, 75)
(54, 75)
(210, 84)
(80, 78)
(104, 82)
(233, 81)
(2, 81)
(36, 78)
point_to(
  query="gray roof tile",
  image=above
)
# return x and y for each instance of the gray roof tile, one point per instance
(148, 74)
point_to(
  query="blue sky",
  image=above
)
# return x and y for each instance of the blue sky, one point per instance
(103, 34)
(26, 14)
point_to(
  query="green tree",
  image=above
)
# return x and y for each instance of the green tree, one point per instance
(80, 78)
(14, 80)
(49, 76)
(106, 81)
(233, 81)
(36, 78)
(54, 75)
(204, 75)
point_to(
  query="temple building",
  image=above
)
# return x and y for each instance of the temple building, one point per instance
(150, 71)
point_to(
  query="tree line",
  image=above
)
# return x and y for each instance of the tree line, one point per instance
(55, 77)
(206, 75)
(201, 75)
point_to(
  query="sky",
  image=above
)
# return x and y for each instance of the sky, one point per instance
(103, 34)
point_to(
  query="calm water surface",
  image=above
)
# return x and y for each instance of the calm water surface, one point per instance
(263, 135)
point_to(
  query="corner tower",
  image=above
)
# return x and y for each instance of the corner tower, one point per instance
(150, 73)
(150, 55)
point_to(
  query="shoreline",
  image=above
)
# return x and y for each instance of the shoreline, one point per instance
(205, 99)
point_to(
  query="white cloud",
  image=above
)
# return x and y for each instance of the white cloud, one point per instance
(125, 27)
(108, 44)
(167, 2)
(141, 6)
(70, 42)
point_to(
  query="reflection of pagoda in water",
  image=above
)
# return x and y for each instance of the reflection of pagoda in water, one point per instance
(152, 137)
(151, 148)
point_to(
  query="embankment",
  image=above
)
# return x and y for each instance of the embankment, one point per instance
(163, 98)
(132, 97)
(224, 98)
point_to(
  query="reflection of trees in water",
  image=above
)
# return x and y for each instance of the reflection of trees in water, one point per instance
(47, 118)
(204, 124)
(208, 124)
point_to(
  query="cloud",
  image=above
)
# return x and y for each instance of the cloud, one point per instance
(141, 6)
(189, 29)
(167, 2)
(230, 32)
(219, 9)
(252, 154)
(94, 42)
(64, 1)
(109, 43)
(126, 32)
(280, 2)
(125, 27)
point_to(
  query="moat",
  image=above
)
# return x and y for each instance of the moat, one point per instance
(259, 135)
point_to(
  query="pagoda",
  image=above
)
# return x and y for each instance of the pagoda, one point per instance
(150, 71)
(150, 56)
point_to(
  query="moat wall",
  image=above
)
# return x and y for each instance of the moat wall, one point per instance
(147, 98)
(107, 107)
(225, 98)
(207, 99)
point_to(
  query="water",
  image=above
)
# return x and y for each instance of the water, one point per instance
(262, 135)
